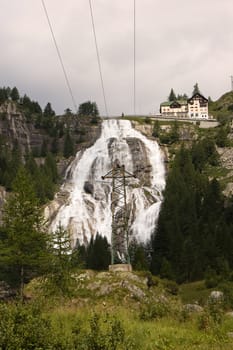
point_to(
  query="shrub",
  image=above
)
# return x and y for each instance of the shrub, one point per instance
(23, 327)
(171, 287)
(154, 311)
(107, 339)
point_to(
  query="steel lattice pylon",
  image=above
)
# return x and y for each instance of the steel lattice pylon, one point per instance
(120, 213)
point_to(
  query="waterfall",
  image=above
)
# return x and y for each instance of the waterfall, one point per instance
(87, 209)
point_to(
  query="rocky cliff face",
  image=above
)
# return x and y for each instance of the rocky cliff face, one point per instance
(15, 128)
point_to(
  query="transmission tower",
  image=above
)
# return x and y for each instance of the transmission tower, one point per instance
(120, 213)
(231, 82)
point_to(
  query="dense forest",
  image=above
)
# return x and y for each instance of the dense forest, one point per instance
(194, 232)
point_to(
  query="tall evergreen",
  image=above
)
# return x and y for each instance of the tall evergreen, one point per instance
(187, 239)
(98, 253)
(15, 94)
(196, 89)
(23, 250)
(172, 96)
(68, 145)
(60, 262)
(88, 109)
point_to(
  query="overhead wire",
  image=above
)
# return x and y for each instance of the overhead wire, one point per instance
(134, 57)
(98, 59)
(60, 57)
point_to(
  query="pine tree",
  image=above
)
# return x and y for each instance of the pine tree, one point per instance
(196, 89)
(15, 94)
(68, 145)
(156, 129)
(98, 253)
(24, 249)
(172, 96)
(48, 111)
(88, 109)
(60, 265)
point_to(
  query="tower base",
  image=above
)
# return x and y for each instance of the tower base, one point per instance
(120, 268)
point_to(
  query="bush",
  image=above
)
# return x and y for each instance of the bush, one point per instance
(211, 278)
(23, 327)
(227, 289)
(147, 120)
(109, 339)
(171, 287)
(154, 311)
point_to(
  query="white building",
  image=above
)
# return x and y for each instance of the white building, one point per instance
(198, 107)
(195, 107)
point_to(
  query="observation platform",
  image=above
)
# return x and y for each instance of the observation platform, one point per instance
(120, 268)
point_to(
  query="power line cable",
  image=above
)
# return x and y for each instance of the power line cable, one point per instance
(98, 59)
(134, 56)
(60, 57)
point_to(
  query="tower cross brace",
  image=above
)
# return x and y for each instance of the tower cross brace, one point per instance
(120, 213)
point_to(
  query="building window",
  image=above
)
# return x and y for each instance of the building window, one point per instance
(196, 114)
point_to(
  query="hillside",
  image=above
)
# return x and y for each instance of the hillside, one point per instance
(116, 311)
(223, 107)
(40, 140)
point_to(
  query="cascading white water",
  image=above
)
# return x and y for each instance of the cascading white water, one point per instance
(87, 210)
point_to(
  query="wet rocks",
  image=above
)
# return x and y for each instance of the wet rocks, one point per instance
(88, 187)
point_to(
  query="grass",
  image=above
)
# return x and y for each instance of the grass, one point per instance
(194, 292)
(162, 334)
(86, 321)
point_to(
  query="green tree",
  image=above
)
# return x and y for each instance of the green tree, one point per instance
(174, 132)
(172, 96)
(98, 253)
(88, 109)
(61, 250)
(196, 89)
(48, 111)
(3, 95)
(221, 137)
(68, 145)
(23, 251)
(15, 94)
(68, 112)
(138, 255)
(156, 129)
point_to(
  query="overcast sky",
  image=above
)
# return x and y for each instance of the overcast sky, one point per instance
(178, 43)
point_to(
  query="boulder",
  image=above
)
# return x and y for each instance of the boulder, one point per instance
(88, 187)
(195, 308)
(216, 295)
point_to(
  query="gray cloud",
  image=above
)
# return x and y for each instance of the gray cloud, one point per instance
(178, 43)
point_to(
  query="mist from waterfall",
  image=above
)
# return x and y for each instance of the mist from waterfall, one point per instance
(88, 208)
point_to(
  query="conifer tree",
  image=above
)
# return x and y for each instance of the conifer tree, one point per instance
(196, 89)
(15, 94)
(98, 253)
(68, 145)
(60, 264)
(172, 96)
(156, 129)
(23, 251)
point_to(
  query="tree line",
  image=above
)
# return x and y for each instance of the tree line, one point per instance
(175, 97)
(194, 231)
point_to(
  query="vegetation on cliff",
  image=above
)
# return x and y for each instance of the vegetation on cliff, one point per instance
(46, 138)
(223, 107)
